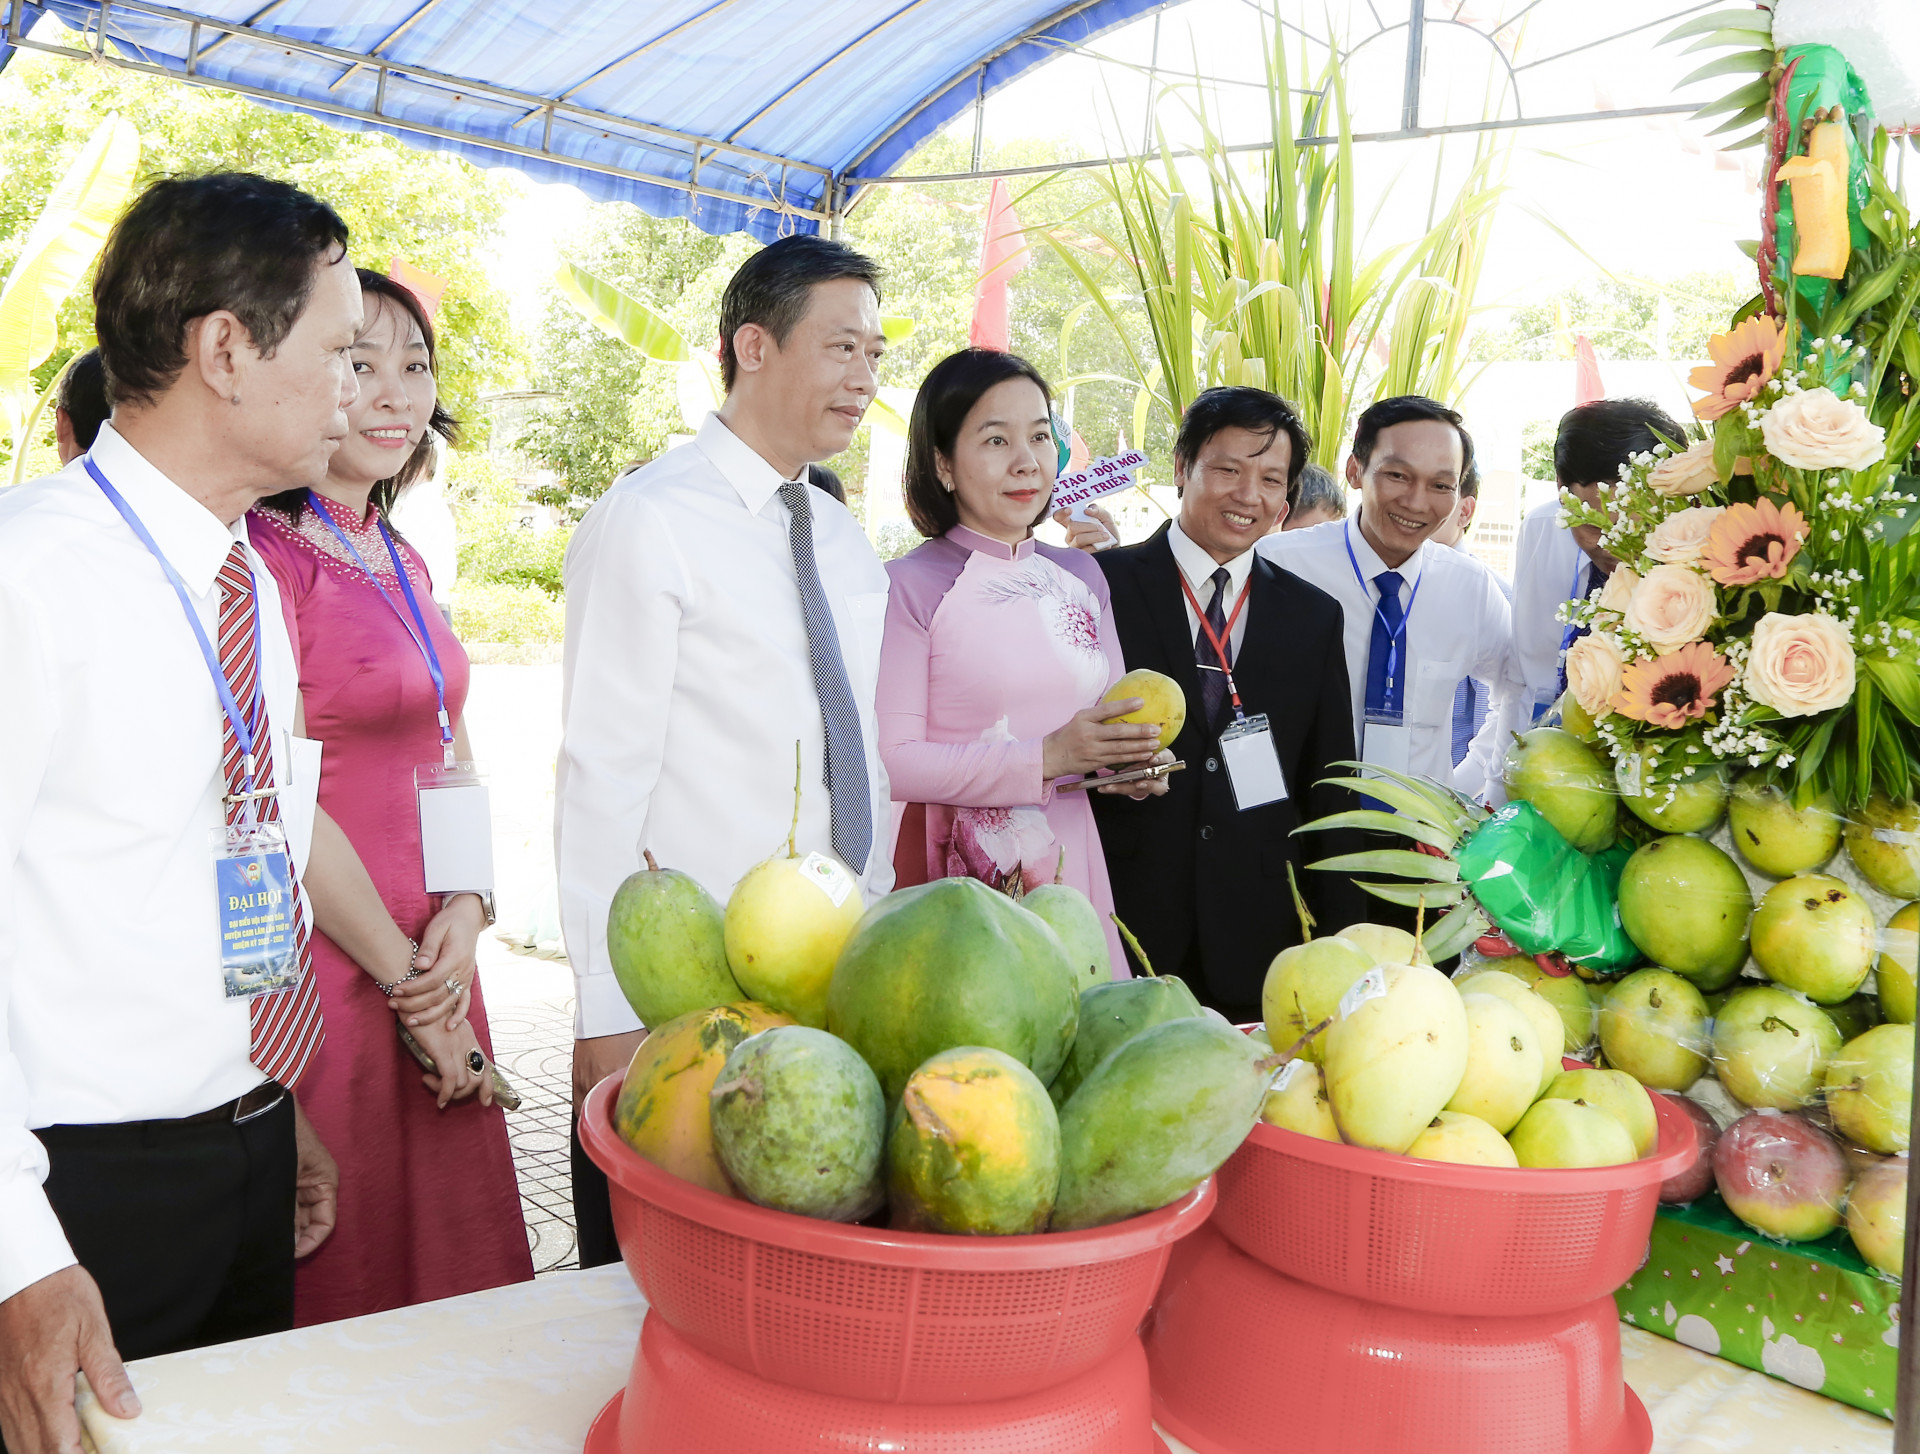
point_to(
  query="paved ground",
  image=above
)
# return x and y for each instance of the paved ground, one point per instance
(513, 717)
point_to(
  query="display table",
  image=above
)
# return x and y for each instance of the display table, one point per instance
(526, 1368)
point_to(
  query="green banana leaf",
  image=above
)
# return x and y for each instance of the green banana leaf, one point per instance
(1401, 861)
(621, 315)
(1414, 896)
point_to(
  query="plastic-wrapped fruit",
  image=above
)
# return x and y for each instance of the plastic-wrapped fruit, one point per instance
(1895, 969)
(1384, 944)
(1883, 840)
(1466, 1140)
(1777, 838)
(1503, 1064)
(1696, 1179)
(1298, 1102)
(1781, 1175)
(1577, 720)
(1686, 905)
(1653, 1025)
(1855, 1016)
(1567, 993)
(1870, 1088)
(1561, 776)
(1303, 987)
(1395, 1059)
(1815, 935)
(1570, 1134)
(1770, 1048)
(1877, 1216)
(1680, 804)
(1616, 1093)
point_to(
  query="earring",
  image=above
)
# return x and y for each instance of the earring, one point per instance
(235, 399)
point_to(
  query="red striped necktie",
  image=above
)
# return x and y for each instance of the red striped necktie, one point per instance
(286, 1023)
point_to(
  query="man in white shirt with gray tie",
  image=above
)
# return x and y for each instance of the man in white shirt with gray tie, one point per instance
(1420, 618)
(719, 611)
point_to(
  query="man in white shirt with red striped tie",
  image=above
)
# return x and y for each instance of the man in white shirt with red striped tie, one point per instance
(158, 816)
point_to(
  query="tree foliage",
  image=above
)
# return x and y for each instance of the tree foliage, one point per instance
(1626, 318)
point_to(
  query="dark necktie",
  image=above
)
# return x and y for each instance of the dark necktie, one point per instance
(1213, 680)
(1590, 583)
(848, 794)
(1387, 694)
(286, 1023)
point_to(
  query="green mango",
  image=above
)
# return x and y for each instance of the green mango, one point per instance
(1073, 917)
(1565, 780)
(1156, 1118)
(1686, 905)
(666, 939)
(1112, 1014)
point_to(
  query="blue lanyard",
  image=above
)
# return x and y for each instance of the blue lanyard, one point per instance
(242, 723)
(422, 638)
(1394, 638)
(1574, 594)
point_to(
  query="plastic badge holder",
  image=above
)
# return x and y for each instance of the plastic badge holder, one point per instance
(887, 1329)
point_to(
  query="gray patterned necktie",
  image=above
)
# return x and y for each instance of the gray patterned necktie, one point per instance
(848, 792)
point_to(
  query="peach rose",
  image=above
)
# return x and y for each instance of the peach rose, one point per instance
(1619, 588)
(1687, 473)
(1594, 664)
(1817, 430)
(1681, 538)
(1800, 665)
(1671, 606)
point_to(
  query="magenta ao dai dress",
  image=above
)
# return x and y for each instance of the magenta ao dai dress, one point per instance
(988, 648)
(429, 1206)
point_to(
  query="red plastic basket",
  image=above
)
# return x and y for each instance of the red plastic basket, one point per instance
(680, 1400)
(1246, 1361)
(1443, 1238)
(876, 1315)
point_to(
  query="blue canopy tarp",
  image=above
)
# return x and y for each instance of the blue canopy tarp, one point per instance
(743, 115)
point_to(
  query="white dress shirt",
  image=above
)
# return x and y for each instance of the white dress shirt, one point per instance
(112, 1006)
(687, 683)
(1458, 625)
(1198, 567)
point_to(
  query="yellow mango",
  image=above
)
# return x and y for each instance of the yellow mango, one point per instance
(1548, 1029)
(1503, 1063)
(1396, 1059)
(1298, 1102)
(1166, 704)
(1468, 1140)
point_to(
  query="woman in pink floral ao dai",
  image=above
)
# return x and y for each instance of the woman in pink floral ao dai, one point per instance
(997, 649)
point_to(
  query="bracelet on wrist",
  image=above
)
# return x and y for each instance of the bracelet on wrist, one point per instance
(388, 988)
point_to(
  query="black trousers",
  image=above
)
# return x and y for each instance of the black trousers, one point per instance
(186, 1225)
(592, 1209)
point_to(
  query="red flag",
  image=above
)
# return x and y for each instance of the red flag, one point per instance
(1587, 387)
(425, 286)
(1003, 252)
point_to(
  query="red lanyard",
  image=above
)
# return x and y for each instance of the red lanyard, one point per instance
(1219, 641)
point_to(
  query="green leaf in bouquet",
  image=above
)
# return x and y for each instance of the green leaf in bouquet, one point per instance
(1899, 683)
(1402, 861)
(1455, 931)
(1415, 896)
(1864, 293)
(1369, 819)
(1749, 22)
(1738, 64)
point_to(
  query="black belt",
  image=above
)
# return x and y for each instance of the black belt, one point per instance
(256, 1102)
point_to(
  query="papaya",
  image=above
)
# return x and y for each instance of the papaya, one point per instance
(1157, 1117)
(974, 1147)
(1112, 1014)
(1071, 915)
(662, 1108)
(666, 939)
(1394, 1060)
(800, 1124)
(952, 963)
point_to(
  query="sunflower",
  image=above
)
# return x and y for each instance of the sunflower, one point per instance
(1743, 361)
(1754, 542)
(1672, 689)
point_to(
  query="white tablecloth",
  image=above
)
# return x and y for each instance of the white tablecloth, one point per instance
(526, 1368)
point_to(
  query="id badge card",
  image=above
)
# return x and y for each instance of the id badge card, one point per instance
(253, 878)
(1386, 741)
(456, 828)
(1253, 763)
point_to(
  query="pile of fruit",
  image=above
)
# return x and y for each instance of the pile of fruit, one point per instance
(1396, 1057)
(954, 1059)
(1777, 1001)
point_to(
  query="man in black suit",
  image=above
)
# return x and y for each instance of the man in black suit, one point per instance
(1200, 873)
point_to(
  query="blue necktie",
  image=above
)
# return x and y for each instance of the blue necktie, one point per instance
(1590, 584)
(1213, 681)
(849, 797)
(1388, 622)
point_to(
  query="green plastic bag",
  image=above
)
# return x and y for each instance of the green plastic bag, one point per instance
(1544, 894)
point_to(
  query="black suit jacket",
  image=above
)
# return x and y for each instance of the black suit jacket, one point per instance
(1202, 884)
